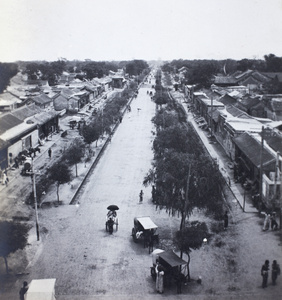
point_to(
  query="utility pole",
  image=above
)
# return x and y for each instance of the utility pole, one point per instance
(211, 116)
(35, 199)
(261, 162)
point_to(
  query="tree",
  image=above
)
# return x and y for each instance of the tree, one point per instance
(136, 67)
(75, 153)
(273, 63)
(191, 238)
(7, 71)
(91, 132)
(13, 236)
(60, 173)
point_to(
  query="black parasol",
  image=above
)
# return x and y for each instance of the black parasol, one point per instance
(113, 207)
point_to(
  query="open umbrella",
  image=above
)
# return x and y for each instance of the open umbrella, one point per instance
(113, 207)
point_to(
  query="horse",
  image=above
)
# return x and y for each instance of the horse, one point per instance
(32, 151)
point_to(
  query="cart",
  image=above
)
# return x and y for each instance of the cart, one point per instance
(111, 218)
(41, 289)
(175, 268)
(145, 229)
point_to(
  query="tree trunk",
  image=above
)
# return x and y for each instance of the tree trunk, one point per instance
(6, 264)
(188, 268)
(58, 185)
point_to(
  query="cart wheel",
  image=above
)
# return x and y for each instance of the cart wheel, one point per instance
(134, 235)
(153, 273)
(106, 226)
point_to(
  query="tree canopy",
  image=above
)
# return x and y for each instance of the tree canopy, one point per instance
(136, 67)
(7, 71)
(60, 173)
(13, 236)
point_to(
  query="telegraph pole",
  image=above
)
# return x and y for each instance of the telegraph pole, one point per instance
(35, 199)
(261, 162)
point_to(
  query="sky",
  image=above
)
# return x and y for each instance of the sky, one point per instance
(139, 29)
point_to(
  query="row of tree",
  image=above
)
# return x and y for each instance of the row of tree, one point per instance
(183, 176)
(51, 71)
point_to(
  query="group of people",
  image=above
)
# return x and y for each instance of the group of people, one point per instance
(270, 221)
(275, 271)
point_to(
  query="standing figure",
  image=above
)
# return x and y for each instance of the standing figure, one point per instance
(159, 279)
(275, 272)
(141, 196)
(273, 222)
(153, 193)
(266, 222)
(264, 273)
(225, 220)
(50, 153)
(23, 290)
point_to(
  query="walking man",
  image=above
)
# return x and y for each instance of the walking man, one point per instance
(275, 272)
(141, 196)
(50, 152)
(264, 273)
(23, 290)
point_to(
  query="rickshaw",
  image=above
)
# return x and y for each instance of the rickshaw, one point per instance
(111, 218)
(145, 229)
(175, 268)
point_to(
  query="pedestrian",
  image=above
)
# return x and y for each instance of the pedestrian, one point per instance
(273, 222)
(153, 193)
(50, 153)
(141, 196)
(23, 290)
(266, 222)
(16, 163)
(275, 271)
(264, 273)
(5, 178)
(120, 119)
(159, 279)
(225, 220)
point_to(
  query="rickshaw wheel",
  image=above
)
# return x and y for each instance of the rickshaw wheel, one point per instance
(153, 273)
(134, 235)
(106, 226)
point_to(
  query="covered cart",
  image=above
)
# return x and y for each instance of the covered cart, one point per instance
(41, 289)
(175, 268)
(145, 229)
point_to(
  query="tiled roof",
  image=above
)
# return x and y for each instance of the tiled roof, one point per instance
(7, 122)
(26, 111)
(234, 111)
(273, 75)
(249, 102)
(251, 147)
(227, 100)
(275, 142)
(42, 99)
(224, 80)
(8, 96)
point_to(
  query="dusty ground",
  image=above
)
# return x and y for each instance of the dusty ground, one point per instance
(229, 264)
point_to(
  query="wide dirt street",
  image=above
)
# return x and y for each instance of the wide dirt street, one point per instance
(88, 263)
